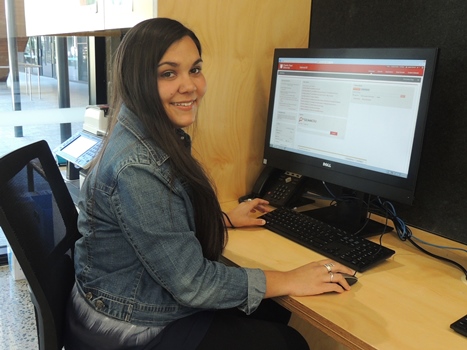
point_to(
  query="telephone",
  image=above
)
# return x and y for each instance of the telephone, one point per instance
(277, 186)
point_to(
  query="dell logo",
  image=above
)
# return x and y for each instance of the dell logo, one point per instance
(327, 165)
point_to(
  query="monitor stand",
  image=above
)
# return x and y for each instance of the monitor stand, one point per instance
(72, 171)
(350, 215)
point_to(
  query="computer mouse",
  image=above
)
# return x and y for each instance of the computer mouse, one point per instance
(351, 279)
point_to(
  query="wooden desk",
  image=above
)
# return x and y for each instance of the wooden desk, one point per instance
(407, 302)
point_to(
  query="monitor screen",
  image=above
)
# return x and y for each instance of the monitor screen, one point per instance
(351, 117)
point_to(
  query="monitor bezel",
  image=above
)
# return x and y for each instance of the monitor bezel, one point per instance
(369, 182)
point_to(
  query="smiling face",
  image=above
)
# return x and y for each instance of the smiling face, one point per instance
(180, 82)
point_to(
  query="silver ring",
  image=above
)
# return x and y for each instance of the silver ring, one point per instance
(328, 266)
(249, 200)
(331, 275)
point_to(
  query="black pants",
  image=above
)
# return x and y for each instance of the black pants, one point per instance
(265, 329)
(231, 329)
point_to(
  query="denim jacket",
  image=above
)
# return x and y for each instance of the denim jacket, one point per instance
(139, 260)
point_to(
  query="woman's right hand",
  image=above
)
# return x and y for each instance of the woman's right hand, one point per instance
(311, 279)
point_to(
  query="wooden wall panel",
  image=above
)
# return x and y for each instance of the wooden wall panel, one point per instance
(19, 19)
(238, 38)
(20, 32)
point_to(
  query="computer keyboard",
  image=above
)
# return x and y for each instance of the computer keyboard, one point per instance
(355, 252)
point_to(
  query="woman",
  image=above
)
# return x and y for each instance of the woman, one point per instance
(147, 270)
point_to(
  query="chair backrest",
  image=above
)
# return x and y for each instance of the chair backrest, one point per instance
(39, 220)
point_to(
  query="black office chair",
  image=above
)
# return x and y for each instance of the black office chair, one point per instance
(39, 220)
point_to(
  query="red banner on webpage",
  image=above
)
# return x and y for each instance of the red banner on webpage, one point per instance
(353, 68)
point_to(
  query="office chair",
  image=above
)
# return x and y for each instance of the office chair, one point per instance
(39, 220)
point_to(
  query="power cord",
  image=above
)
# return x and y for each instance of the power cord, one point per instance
(405, 233)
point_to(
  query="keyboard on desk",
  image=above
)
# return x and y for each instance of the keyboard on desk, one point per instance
(355, 252)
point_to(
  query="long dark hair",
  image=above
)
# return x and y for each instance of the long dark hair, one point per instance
(134, 83)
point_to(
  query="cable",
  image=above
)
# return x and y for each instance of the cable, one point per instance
(438, 246)
(402, 230)
(439, 257)
(335, 199)
(405, 233)
(387, 210)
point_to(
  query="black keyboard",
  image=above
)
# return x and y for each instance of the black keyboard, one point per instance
(355, 252)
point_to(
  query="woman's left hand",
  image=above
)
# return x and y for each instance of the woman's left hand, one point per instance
(240, 216)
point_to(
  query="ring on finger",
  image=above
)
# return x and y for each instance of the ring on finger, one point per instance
(328, 266)
(332, 276)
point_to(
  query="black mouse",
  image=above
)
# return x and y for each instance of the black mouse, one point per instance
(351, 279)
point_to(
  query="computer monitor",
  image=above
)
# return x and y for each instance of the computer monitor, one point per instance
(353, 117)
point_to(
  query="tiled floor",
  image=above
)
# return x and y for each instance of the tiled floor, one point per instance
(17, 321)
